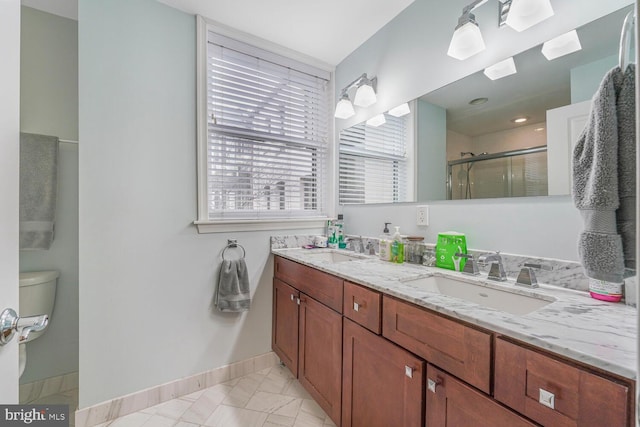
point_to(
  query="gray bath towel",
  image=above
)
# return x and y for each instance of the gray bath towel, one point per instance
(604, 181)
(38, 190)
(233, 293)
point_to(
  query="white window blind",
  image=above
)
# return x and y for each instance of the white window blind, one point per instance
(267, 134)
(374, 165)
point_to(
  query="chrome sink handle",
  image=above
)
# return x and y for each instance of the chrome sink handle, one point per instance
(496, 270)
(471, 266)
(10, 323)
(527, 277)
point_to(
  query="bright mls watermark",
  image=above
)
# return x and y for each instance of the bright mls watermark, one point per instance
(34, 415)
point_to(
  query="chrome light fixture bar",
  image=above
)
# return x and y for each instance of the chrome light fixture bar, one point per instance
(467, 38)
(365, 96)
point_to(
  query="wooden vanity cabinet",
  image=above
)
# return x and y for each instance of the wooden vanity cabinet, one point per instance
(307, 330)
(556, 393)
(457, 348)
(452, 403)
(382, 384)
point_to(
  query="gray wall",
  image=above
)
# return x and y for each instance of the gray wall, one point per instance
(49, 105)
(431, 123)
(147, 276)
(409, 58)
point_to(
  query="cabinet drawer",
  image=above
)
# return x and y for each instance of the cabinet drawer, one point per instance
(363, 306)
(459, 349)
(555, 393)
(452, 403)
(319, 285)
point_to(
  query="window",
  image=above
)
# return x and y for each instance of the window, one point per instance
(267, 137)
(375, 163)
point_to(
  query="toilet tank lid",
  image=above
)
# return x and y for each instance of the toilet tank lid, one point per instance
(35, 277)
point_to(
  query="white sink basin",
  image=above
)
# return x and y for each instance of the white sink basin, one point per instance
(497, 299)
(332, 256)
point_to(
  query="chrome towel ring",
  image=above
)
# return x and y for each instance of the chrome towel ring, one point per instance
(233, 244)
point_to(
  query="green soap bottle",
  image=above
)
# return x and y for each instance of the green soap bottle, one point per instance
(397, 247)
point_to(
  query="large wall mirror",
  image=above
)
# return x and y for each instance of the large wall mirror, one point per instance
(509, 137)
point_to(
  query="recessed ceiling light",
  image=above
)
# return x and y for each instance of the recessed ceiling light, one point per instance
(519, 119)
(540, 129)
(478, 101)
(562, 45)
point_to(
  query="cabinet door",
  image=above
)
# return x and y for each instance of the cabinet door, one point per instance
(320, 355)
(451, 403)
(284, 335)
(382, 385)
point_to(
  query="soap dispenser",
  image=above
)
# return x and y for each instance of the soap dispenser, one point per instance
(397, 247)
(385, 243)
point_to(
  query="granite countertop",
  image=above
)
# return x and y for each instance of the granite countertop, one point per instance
(572, 324)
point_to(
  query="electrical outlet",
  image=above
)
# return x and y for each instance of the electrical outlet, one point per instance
(422, 215)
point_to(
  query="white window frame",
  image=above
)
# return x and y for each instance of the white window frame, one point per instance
(203, 223)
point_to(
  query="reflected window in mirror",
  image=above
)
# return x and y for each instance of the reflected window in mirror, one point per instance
(376, 163)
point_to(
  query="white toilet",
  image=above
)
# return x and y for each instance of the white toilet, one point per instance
(37, 296)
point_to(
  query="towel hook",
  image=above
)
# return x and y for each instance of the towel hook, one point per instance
(625, 40)
(233, 243)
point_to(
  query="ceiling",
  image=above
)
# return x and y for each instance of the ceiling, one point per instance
(327, 30)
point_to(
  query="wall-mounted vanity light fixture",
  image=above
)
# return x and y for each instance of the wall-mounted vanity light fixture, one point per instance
(400, 110)
(562, 45)
(518, 14)
(365, 96)
(523, 14)
(501, 69)
(376, 121)
(467, 38)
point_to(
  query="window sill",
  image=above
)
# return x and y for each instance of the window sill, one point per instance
(224, 226)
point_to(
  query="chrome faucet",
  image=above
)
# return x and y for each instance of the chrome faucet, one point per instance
(527, 277)
(352, 244)
(496, 270)
(471, 266)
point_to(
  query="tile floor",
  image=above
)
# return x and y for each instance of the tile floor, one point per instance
(269, 398)
(69, 397)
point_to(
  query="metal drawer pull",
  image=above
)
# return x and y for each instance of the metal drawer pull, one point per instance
(292, 297)
(356, 306)
(547, 398)
(408, 371)
(431, 384)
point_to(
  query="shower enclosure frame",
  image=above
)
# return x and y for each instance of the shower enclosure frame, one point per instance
(483, 157)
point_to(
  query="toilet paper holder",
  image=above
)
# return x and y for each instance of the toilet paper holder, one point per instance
(10, 323)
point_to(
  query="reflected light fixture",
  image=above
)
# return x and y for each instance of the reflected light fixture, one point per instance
(344, 108)
(467, 39)
(400, 110)
(501, 69)
(520, 119)
(365, 96)
(524, 14)
(376, 121)
(562, 45)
